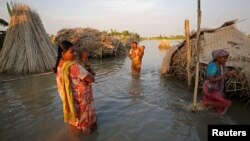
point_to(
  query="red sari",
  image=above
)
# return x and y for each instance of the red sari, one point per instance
(214, 100)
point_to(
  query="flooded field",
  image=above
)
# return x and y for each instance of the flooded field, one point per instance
(129, 108)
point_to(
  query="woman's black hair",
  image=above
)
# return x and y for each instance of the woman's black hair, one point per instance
(62, 47)
(134, 42)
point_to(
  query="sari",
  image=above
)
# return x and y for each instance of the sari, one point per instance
(213, 96)
(84, 117)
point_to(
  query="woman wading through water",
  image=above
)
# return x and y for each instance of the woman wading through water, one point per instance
(74, 86)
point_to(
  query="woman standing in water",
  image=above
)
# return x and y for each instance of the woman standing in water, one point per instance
(136, 54)
(73, 86)
(213, 86)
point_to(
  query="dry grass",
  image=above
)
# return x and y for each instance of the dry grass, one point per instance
(165, 66)
(98, 44)
(27, 48)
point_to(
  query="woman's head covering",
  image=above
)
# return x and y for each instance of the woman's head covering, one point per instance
(219, 53)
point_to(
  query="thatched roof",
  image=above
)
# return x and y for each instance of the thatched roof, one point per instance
(98, 44)
(27, 48)
(226, 37)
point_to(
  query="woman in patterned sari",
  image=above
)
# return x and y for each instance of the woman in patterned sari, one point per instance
(74, 86)
(213, 86)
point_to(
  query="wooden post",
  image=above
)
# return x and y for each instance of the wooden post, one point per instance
(188, 50)
(198, 55)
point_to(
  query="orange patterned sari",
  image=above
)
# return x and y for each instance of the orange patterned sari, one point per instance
(82, 97)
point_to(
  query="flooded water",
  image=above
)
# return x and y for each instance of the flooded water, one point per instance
(129, 108)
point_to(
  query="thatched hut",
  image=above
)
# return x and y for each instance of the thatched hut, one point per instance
(27, 48)
(225, 37)
(99, 44)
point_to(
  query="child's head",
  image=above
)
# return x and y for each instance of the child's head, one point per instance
(84, 55)
(81, 54)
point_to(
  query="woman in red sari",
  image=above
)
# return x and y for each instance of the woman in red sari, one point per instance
(75, 90)
(213, 86)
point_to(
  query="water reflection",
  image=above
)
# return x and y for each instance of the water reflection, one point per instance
(107, 66)
(135, 88)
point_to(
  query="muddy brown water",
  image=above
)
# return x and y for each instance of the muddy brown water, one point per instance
(129, 108)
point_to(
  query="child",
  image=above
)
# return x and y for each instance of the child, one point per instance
(81, 56)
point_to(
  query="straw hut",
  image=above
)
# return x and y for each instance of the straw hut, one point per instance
(27, 48)
(225, 37)
(99, 44)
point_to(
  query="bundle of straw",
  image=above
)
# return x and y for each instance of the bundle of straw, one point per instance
(27, 48)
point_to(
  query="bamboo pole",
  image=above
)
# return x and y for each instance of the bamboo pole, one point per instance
(188, 50)
(198, 55)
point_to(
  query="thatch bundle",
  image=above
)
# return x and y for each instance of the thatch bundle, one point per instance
(27, 48)
(99, 44)
(164, 44)
(226, 37)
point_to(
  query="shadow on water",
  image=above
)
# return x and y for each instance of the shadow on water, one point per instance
(146, 107)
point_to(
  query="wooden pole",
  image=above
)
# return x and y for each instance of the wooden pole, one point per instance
(188, 50)
(198, 55)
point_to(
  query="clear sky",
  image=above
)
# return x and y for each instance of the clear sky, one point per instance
(146, 17)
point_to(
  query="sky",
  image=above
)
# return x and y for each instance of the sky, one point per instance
(146, 17)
